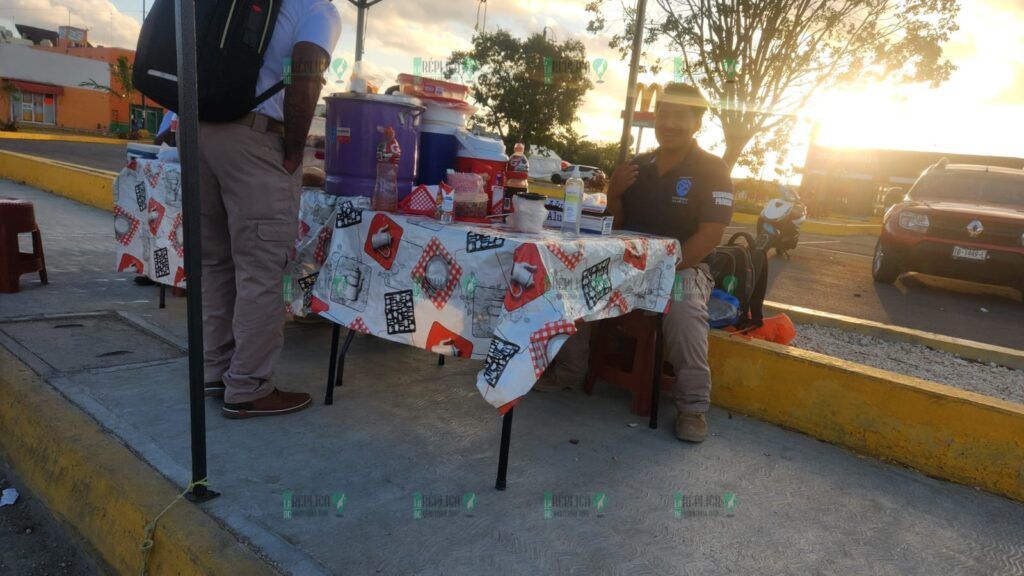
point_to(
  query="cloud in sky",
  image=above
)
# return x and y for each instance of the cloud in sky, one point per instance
(108, 24)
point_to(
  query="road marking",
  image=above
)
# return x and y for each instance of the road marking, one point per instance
(820, 242)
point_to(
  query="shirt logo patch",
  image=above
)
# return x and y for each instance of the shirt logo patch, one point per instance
(722, 198)
(683, 186)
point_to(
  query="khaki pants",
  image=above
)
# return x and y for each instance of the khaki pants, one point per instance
(686, 342)
(249, 217)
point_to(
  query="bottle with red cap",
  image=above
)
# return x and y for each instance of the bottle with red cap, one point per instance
(517, 172)
(385, 190)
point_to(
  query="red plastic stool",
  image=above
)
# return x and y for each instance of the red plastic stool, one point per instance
(18, 217)
(621, 353)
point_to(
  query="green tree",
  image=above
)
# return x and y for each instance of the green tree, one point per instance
(121, 85)
(527, 90)
(760, 61)
(576, 149)
(10, 94)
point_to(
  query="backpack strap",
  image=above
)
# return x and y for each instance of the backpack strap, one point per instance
(268, 93)
(759, 260)
(746, 236)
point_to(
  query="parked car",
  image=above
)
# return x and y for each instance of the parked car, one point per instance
(959, 221)
(587, 173)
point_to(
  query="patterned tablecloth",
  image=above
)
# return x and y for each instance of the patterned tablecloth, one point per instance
(148, 231)
(317, 214)
(483, 291)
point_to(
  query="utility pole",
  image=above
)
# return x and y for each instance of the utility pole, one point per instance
(634, 64)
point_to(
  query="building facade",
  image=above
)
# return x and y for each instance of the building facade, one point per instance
(48, 86)
(852, 181)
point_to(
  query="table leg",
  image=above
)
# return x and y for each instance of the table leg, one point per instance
(440, 359)
(163, 296)
(341, 357)
(659, 345)
(335, 334)
(506, 438)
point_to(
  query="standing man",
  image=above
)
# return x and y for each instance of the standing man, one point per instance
(683, 192)
(250, 185)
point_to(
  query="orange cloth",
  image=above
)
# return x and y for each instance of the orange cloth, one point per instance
(778, 329)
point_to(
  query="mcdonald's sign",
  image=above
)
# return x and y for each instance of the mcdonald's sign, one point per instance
(643, 116)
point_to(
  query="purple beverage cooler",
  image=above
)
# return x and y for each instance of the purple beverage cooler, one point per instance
(355, 125)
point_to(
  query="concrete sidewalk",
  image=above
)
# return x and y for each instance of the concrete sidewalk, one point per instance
(402, 425)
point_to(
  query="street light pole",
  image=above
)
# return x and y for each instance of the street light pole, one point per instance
(634, 64)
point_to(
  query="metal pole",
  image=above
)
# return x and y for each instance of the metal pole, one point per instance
(506, 439)
(360, 27)
(659, 365)
(361, 7)
(634, 63)
(188, 150)
(143, 95)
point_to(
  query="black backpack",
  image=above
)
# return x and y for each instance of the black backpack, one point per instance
(748, 265)
(231, 38)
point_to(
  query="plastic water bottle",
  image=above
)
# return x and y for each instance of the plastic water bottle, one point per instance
(573, 205)
(385, 189)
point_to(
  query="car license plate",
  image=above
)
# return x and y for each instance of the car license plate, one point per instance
(977, 254)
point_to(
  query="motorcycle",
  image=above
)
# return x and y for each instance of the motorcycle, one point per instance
(778, 226)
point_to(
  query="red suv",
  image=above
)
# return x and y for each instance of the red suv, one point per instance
(960, 221)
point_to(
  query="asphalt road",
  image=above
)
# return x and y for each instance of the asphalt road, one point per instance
(103, 156)
(824, 273)
(34, 543)
(833, 274)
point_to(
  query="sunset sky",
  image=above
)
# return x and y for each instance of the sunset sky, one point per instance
(979, 110)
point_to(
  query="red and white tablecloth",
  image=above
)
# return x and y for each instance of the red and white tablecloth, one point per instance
(484, 291)
(148, 232)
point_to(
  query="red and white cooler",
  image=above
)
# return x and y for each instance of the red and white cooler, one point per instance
(484, 156)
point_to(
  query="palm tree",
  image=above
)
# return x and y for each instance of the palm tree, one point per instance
(121, 71)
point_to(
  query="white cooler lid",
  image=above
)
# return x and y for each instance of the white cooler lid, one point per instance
(482, 147)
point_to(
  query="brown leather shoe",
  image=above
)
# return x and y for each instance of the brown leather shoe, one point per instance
(691, 427)
(276, 403)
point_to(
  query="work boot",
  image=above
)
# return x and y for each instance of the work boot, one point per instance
(277, 403)
(214, 389)
(691, 427)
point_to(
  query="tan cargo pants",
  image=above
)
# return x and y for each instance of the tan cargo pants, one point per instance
(249, 218)
(686, 342)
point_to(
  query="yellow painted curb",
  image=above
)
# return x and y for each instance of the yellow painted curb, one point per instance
(61, 138)
(964, 348)
(86, 185)
(942, 431)
(823, 228)
(95, 484)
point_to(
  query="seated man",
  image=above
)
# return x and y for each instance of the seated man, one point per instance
(679, 191)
